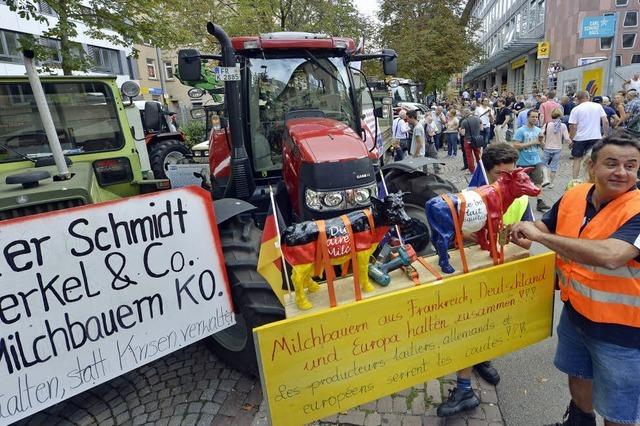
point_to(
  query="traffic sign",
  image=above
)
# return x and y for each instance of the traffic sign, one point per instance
(598, 26)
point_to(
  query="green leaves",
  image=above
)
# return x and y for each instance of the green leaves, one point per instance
(430, 38)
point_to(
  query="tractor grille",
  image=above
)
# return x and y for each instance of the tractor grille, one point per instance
(39, 208)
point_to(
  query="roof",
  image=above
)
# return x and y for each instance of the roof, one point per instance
(292, 40)
(511, 51)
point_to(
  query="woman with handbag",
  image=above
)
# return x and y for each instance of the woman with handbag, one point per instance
(555, 134)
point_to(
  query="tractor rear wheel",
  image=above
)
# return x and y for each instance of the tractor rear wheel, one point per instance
(256, 303)
(165, 152)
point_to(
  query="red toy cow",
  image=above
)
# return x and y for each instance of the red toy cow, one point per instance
(450, 214)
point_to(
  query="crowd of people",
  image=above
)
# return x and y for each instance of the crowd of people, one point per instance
(594, 228)
(537, 126)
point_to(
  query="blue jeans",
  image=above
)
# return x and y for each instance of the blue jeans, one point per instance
(614, 370)
(437, 140)
(486, 134)
(452, 143)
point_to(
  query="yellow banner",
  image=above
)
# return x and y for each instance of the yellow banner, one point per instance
(518, 62)
(543, 50)
(323, 363)
(593, 81)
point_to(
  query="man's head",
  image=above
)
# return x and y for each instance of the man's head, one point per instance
(614, 164)
(582, 96)
(527, 104)
(532, 117)
(551, 94)
(412, 117)
(597, 99)
(564, 100)
(466, 112)
(543, 99)
(500, 102)
(402, 114)
(499, 157)
(485, 102)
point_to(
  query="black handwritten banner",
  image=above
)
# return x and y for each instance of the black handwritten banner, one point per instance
(323, 363)
(88, 294)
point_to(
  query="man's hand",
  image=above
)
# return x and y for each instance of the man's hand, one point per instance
(525, 231)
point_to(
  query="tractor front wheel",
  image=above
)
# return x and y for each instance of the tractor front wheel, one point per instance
(165, 152)
(256, 303)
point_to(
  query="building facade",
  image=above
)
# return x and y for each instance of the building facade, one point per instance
(510, 30)
(107, 57)
(157, 79)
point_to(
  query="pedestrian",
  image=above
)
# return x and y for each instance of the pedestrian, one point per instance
(498, 157)
(612, 117)
(521, 120)
(503, 119)
(632, 110)
(547, 106)
(584, 128)
(618, 105)
(595, 231)
(485, 114)
(555, 134)
(451, 133)
(527, 141)
(400, 132)
(568, 105)
(418, 139)
(439, 120)
(472, 139)
(633, 83)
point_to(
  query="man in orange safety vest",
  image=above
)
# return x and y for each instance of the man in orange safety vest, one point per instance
(595, 231)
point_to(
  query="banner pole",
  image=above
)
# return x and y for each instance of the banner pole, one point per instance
(284, 262)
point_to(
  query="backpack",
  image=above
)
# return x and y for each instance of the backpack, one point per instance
(477, 141)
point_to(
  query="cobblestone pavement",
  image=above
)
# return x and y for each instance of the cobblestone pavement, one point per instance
(192, 387)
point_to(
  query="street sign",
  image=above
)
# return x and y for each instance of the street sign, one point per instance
(543, 50)
(155, 91)
(227, 73)
(598, 26)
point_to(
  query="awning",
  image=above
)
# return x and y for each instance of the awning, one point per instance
(511, 51)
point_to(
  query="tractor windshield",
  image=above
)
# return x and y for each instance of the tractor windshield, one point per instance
(317, 86)
(84, 114)
(403, 93)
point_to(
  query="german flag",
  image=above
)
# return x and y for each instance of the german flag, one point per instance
(270, 257)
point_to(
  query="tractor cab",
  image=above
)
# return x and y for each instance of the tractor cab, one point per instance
(301, 127)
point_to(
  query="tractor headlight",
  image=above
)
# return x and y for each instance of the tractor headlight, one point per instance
(361, 195)
(333, 199)
(312, 199)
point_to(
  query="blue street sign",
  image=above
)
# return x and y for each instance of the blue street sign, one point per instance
(598, 26)
(155, 90)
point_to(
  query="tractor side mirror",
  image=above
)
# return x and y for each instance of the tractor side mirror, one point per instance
(189, 64)
(389, 62)
(198, 113)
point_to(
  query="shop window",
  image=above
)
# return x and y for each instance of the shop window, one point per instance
(635, 59)
(622, 3)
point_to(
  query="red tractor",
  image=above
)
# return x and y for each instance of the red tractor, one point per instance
(292, 121)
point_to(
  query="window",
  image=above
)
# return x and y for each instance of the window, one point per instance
(53, 52)
(605, 43)
(17, 95)
(622, 3)
(618, 60)
(45, 9)
(630, 19)
(151, 69)
(168, 71)
(628, 40)
(105, 60)
(635, 59)
(10, 47)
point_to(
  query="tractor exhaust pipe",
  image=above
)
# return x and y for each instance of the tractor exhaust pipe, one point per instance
(241, 184)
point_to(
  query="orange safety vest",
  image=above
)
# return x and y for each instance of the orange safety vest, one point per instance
(600, 294)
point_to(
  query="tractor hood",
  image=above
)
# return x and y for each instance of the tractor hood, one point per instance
(325, 140)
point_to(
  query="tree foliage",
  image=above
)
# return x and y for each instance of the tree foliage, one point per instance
(252, 17)
(431, 39)
(122, 22)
